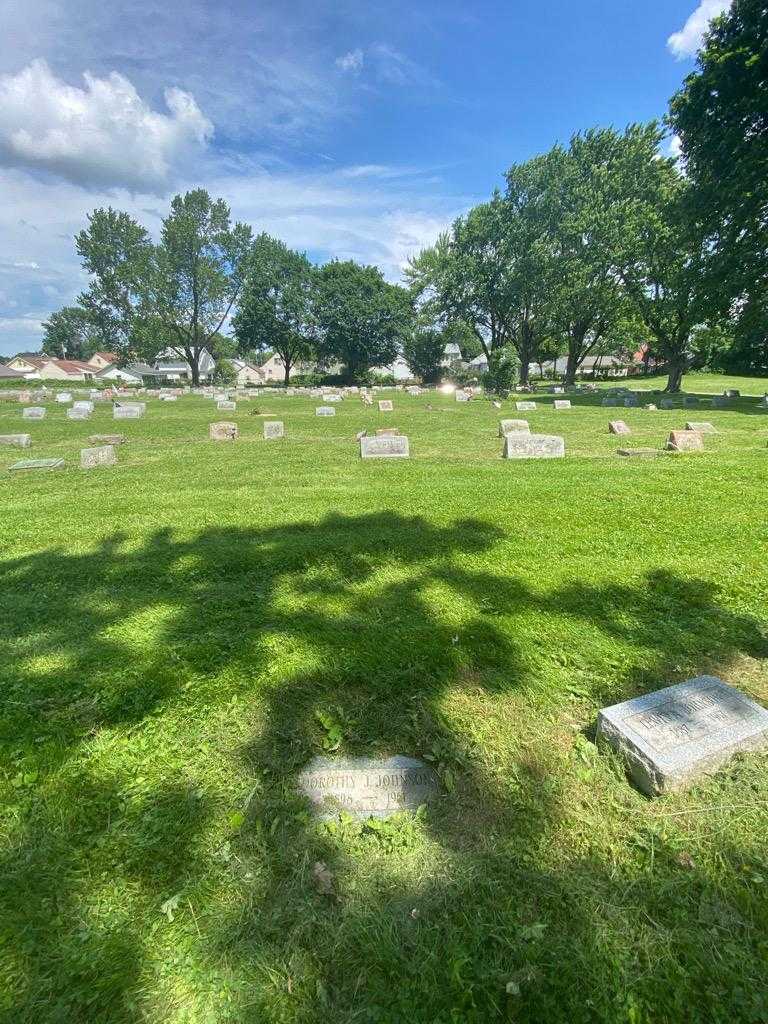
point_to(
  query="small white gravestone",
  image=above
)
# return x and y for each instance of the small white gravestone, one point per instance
(513, 427)
(16, 440)
(386, 405)
(333, 398)
(325, 410)
(701, 428)
(562, 403)
(650, 407)
(64, 397)
(126, 412)
(462, 396)
(414, 391)
(37, 464)
(226, 406)
(685, 441)
(525, 406)
(533, 446)
(223, 431)
(391, 446)
(91, 458)
(671, 737)
(33, 412)
(78, 414)
(367, 788)
(86, 406)
(273, 430)
(618, 427)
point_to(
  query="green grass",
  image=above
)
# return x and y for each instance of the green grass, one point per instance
(170, 627)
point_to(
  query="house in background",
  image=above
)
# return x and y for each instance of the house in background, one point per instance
(6, 373)
(101, 360)
(127, 375)
(170, 365)
(399, 369)
(28, 363)
(274, 369)
(47, 368)
(451, 356)
(246, 373)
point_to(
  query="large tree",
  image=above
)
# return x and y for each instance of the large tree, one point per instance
(71, 333)
(363, 321)
(276, 307)
(198, 271)
(423, 351)
(721, 118)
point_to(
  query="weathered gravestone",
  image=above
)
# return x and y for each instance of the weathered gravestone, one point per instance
(389, 447)
(513, 427)
(37, 464)
(64, 397)
(533, 446)
(16, 440)
(86, 406)
(367, 788)
(702, 428)
(223, 431)
(273, 430)
(226, 406)
(33, 412)
(333, 398)
(462, 396)
(101, 439)
(672, 737)
(525, 406)
(128, 412)
(618, 427)
(638, 453)
(325, 410)
(73, 413)
(685, 441)
(386, 406)
(91, 458)
(562, 403)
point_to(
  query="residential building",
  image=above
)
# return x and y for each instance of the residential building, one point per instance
(246, 373)
(170, 364)
(127, 374)
(101, 360)
(6, 373)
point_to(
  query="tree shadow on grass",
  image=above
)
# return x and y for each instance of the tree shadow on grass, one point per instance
(379, 621)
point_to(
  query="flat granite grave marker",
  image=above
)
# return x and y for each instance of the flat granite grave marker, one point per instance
(226, 406)
(386, 406)
(91, 458)
(37, 464)
(685, 441)
(16, 440)
(223, 431)
(525, 406)
(33, 412)
(367, 788)
(701, 428)
(325, 410)
(64, 397)
(73, 413)
(107, 439)
(618, 427)
(513, 427)
(533, 446)
(128, 412)
(671, 737)
(638, 453)
(562, 403)
(393, 446)
(273, 430)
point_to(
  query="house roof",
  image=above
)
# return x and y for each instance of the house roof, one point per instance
(141, 370)
(35, 361)
(71, 366)
(111, 357)
(28, 355)
(6, 371)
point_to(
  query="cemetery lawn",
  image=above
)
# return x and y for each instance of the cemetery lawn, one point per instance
(180, 634)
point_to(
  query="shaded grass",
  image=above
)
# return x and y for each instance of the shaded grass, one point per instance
(169, 628)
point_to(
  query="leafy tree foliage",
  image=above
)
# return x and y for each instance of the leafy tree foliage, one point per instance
(363, 321)
(503, 371)
(70, 333)
(277, 305)
(423, 351)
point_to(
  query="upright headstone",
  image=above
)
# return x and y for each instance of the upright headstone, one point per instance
(73, 413)
(325, 410)
(91, 458)
(685, 441)
(389, 447)
(562, 403)
(386, 405)
(64, 397)
(33, 412)
(513, 427)
(85, 406)
(618, 427)
(462, 396)
(525, 406)
(16, 440)
(533, 446)
(367, 788)
(224, 405)
(223, 431)
(702, 428)
(672, 737)
(273, 430)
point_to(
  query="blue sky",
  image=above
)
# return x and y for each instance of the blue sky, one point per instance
(349, 130)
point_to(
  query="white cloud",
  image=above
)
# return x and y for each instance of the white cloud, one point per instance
(21, 326)
(352, 61)
(688, 40)
(104, 134)
(675, 146)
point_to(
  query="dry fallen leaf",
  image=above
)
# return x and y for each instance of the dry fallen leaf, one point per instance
(685, 860)
(323, 879)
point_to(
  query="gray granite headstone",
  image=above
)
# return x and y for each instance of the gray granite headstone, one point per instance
(638, 453)
(64, 397)
(127, 412)
(392, 446)
(37, 464)
(513, 427)
(562, 403)
(33, 412)
(73, 413)
(223, 431)
(533, 446)
(91, 458)
(702, 428)
(107, 439)
(525, 406)
(386, 405)
(671, 737)
(16, 440)
(226, 406)
(367, 788)
(273, 430)
(325, 410)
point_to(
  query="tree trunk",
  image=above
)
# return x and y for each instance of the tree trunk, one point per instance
(572, 365)
(524, 374)
(194, 366)
(675, 380)
(287, 364)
